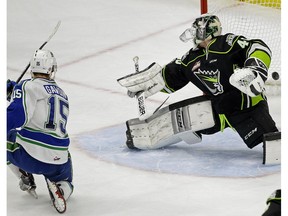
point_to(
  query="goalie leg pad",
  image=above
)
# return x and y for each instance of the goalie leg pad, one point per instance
(156, 133)
(272, 148)
(171, 124)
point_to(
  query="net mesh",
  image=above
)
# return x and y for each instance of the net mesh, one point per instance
(254, 19)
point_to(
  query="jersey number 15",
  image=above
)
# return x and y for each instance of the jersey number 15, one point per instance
(54, 103)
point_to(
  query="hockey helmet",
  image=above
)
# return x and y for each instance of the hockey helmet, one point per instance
(43, 61)
(205, 27)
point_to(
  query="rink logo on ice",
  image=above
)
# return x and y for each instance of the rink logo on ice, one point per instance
(250, 133)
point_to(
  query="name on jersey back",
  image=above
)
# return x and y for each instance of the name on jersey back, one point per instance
(52, 89)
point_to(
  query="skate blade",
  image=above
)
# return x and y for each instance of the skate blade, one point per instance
(33, 193)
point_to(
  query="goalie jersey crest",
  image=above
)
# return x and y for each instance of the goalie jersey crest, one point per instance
(211, 79)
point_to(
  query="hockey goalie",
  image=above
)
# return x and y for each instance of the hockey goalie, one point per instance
(230, 70)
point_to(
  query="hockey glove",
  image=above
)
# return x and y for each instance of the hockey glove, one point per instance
(10, 86)
(251, 78)
(11, 135)
(149, 80)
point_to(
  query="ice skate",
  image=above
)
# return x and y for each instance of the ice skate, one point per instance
(27, 183)
(56, 195)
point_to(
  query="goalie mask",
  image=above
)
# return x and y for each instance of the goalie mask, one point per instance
(203, 28)
(44, 62)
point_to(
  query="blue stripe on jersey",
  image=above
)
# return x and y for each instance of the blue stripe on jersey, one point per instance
(44, 138)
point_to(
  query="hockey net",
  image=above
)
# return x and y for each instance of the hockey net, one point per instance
(259, 19)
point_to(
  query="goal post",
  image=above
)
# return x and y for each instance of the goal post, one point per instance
(203, 6)
(259, 19)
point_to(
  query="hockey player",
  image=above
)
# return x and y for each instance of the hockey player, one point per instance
(37, 140)
(273, 204)
(229, 69)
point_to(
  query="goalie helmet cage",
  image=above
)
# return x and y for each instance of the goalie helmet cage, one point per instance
(259, 19)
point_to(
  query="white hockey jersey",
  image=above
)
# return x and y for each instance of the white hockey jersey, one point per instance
(40, 108)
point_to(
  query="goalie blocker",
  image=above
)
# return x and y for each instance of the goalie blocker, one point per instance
(182, 121)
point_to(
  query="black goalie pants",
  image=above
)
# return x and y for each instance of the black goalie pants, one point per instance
(251, 124)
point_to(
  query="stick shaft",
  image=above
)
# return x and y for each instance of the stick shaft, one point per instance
(136, 63)
(140, 96)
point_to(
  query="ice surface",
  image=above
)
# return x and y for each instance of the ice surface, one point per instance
(94, 46)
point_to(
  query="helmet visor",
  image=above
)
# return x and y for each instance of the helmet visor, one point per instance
(188, 34)
(200, 26)
(201, 33)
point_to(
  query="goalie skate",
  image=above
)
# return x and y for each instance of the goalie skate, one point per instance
(57, 198)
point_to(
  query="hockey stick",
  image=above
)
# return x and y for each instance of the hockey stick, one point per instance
(49, 38)
(143, 114)
(25, 70)
(160, 105)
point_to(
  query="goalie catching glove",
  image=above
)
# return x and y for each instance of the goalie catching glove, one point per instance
(251, 78)
(148, 80)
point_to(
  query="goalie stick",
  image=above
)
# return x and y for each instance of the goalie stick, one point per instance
(25, 70)
(142, 110)
(140, 96)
